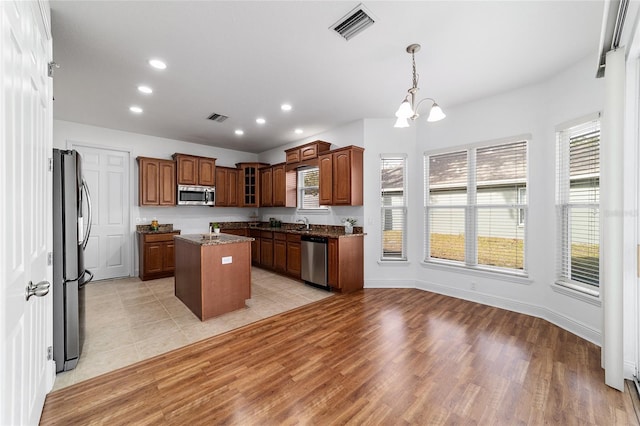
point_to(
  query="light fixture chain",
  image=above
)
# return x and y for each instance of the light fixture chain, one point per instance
(415, 78)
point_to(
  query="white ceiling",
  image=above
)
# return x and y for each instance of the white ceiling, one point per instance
(244, 58)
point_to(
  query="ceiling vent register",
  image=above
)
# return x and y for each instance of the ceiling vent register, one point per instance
(353, 23)
(218, 118)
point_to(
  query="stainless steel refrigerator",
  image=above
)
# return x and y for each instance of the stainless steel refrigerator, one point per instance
(70, 236)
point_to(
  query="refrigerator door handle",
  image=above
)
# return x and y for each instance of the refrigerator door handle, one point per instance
(82, 282)
(85, 187)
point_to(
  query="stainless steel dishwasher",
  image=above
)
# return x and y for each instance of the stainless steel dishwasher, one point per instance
(314, 260)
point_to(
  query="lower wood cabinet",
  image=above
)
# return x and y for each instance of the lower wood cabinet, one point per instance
(255, 246)
(294, 258)
(346, 263)
(280, 252)
(266, 249)
(156, 253)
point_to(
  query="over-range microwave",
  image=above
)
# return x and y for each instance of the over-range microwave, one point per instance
(196, 195)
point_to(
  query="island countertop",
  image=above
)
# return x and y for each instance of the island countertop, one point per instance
(214, 239)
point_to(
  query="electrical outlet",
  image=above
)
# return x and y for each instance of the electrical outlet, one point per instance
(473, 285)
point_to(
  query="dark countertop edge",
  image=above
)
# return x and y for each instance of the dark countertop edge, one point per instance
(199, 241)
(314, 233)
(158, 232)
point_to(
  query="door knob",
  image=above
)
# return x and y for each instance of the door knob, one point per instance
(40, 289)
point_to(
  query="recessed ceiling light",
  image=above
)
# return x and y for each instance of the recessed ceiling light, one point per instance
(145, 89)
(157, 63)
(285, 107)
(239, 132)
(260, 120)
(298, 131)
(135, 109)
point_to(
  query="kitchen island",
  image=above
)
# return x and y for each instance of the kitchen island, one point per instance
(213, 273)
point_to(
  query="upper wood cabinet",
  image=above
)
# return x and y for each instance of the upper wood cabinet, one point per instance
(277, 186)
(249, 184)
(194, 170)
(156, 182)
(227, 187)
(306, 152)
(266, 187)
(341, 177)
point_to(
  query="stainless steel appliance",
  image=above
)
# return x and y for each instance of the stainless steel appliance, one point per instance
(196, 195)
(70, 237)
(314, 261)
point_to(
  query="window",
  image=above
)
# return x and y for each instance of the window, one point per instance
(475, 207)
(393, 169)
(308, 189)
(578, 205)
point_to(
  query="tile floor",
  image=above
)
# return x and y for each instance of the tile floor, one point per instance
(128, 320)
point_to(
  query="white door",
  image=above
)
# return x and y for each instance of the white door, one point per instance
(107, 174)
(25, 213)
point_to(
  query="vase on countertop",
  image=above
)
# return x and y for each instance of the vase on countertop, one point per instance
(348, 228)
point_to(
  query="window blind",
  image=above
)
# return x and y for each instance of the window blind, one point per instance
(476, 207)
(446, 177)
(309, 189)
(393, 207)
(578, 204)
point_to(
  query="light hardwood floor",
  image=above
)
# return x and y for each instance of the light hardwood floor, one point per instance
(378, 356)
(129, 320)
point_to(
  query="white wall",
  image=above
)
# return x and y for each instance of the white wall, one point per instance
(188, 219)
(536, 111)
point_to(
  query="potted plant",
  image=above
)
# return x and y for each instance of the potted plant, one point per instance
(348, 225)
(216, 227)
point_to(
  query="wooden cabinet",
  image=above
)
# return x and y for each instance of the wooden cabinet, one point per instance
(156, 255)
(280, 252)
(294, 258)
(194, 170)
(306, 152)
(266, 187)
(266, 249)
(156, 182)
(249, 184)
(278, 186)
(226, 187)
(255, 246)
(346, 263)
(341, 177)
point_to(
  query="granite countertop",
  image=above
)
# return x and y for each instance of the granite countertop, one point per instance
(162, 229)
(206, 240)
(330, 231)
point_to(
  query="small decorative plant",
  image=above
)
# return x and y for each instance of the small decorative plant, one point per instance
(349, 220)
(216, 227)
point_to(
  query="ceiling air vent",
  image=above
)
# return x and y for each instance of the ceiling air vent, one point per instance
(219, 118)
(353, 23)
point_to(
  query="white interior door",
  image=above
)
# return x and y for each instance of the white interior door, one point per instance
(25, 216)
(107, 174)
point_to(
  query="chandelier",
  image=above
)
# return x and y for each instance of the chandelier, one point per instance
(408, 108)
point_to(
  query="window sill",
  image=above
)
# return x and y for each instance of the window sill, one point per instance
(577, 292)
(393, 262)
(498, 275)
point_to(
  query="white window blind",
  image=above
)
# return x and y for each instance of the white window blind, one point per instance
(578, 204)
(393, 203)
(476, 204)
(308, 189)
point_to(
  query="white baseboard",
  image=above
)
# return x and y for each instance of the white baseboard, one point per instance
(629, 370)
(390, 284)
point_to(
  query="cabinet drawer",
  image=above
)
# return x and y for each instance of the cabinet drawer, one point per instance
(293, 238)
(293, 156)
(154, 238)
(279, 236)
(266, 234)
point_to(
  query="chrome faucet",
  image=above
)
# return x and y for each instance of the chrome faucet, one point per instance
(306, 222)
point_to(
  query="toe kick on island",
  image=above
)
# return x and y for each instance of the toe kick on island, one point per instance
(213, 273)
